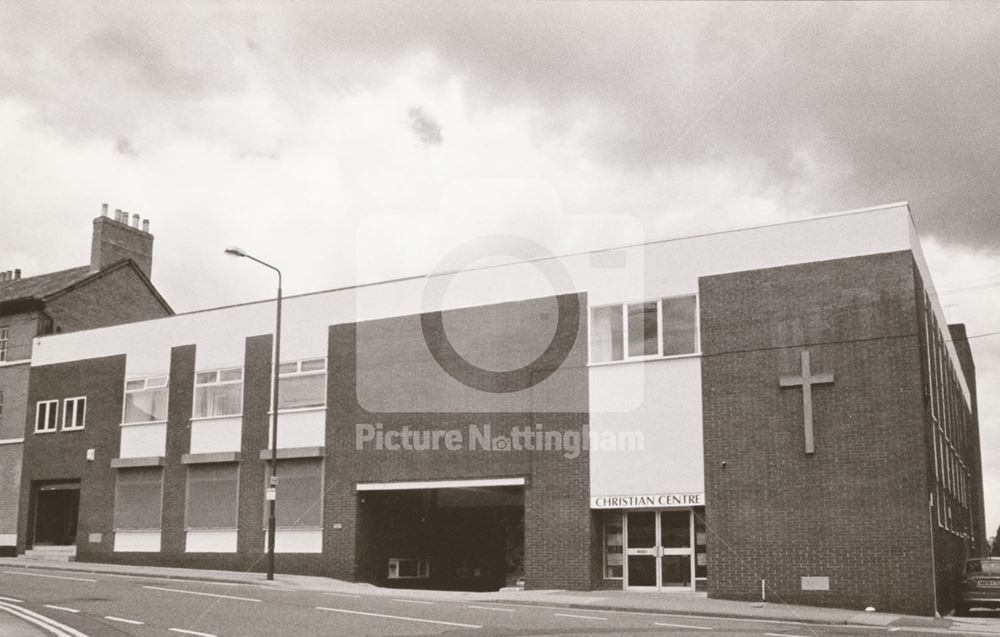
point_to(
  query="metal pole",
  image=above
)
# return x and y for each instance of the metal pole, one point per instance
(274, 434)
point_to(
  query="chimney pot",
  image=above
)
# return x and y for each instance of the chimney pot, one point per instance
(135, 220)
(104, 210)
(118, 214)
(145, 225)
(17, 274)
(3, 277)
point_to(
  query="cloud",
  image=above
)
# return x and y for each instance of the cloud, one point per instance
(423, 125)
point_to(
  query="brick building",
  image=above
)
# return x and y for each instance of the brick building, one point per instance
(113, 288)
(780, 408)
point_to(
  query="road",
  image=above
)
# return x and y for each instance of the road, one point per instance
(104, 605)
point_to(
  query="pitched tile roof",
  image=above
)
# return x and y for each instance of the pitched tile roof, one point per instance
(43, 285)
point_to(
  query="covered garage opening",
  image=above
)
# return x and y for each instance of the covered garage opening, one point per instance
(447, 535)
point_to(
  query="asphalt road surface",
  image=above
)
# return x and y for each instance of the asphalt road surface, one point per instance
(103, 605)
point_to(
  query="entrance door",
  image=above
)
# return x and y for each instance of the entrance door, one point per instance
(57, 507)
(659, 550)
(642, 555)
(675, 549)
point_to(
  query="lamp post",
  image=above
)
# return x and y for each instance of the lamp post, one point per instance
(275, 364)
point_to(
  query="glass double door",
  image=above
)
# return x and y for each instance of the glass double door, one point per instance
(659, 550)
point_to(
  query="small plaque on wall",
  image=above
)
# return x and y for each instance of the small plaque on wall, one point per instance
(815, 583)
(94, 538)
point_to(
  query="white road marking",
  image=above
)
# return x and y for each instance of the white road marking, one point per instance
(191, 632)
(683, 626)
(68, 610)
(123, 620)
(783, 635)
(405, 619)
(12, 599)
(343, 595)
(75, 579)
(502, 610)
(600, 619)
(48, 624)
(180, 590)
(411, 601)
(721, 619)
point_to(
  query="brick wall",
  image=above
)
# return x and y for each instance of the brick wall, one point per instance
(118, 297)
(62, 455)
(557, 520)
(856, 510)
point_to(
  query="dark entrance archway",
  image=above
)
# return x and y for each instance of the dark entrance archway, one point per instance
(448, 539)
(56, 509)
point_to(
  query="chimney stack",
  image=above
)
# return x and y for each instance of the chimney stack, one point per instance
(104, 210)
(121, 238)
(17, 273)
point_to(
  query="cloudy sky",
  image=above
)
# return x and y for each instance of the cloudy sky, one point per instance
(353, 142)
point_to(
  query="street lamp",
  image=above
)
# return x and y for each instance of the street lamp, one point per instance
(273, 484)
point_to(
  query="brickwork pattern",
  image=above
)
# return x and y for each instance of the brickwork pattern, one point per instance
(856, 510)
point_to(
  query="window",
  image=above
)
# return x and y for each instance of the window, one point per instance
(74, 413)
(212, 496)
(4, 331)
(299, 499)
(46, 412)
(218, 393)
(680, 325)
(1, 408)
(642, 329)
(613, 542)
(145, 400)
(302, 384)
(665, 327)
(138, 498)
(408, 569)
(606, 336)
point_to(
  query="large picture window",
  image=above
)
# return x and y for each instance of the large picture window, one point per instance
(138, 499)
(299, 498)
(218, 393)
(212, 496)
(636, 331)
(302, 384)
(145, 400)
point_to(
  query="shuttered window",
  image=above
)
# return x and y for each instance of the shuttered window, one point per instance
(212, 496)
(299, 502)
(138, 499)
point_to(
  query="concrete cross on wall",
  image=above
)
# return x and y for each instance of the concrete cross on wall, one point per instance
(806, 381)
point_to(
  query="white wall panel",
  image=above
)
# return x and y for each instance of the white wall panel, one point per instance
(141, 441)
(210, 541)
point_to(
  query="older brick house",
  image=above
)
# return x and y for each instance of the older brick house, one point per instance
(779, 409)
(113, 288)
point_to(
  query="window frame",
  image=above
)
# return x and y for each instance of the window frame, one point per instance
(188, 499)
(322, 494)
(66, 411)
(218, 374)
(38, 409)
(4, 342)
(145, 387)
(114, 512)
(624, 307)
(298, 373)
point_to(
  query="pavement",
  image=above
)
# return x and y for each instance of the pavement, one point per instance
(678, 603)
